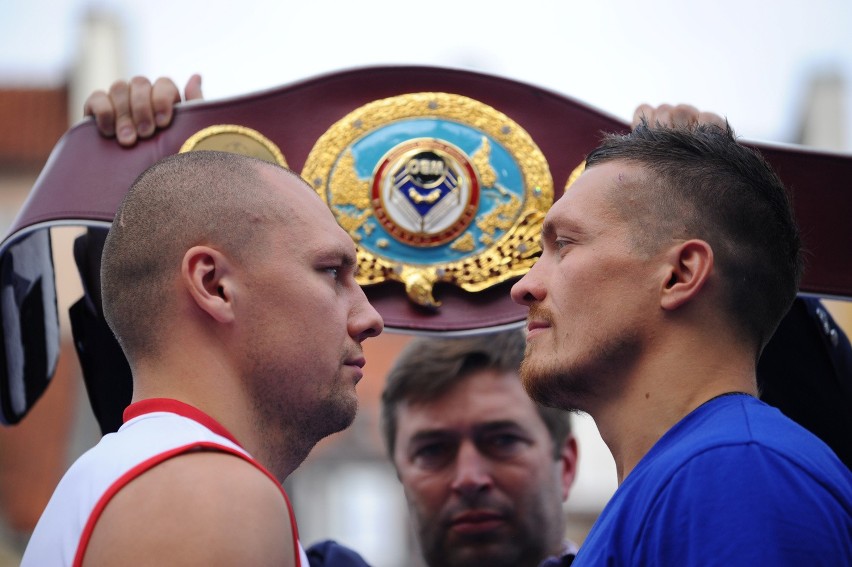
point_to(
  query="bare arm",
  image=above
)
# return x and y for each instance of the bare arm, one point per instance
(135, 109)
(202, 508)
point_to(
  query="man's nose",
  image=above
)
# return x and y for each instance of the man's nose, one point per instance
(472, 471)
(364, 321)
(529, 289)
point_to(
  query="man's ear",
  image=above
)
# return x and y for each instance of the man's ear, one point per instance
(688, 267)
(207, 274)
(568, 457)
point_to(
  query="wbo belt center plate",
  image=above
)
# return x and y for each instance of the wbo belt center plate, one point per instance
(434, 187)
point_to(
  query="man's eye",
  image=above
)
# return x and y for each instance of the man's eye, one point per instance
(332, 271)
(432, 456)
(503, 445)
(562, 243)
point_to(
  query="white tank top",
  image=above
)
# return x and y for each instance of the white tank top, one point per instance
(154, 430)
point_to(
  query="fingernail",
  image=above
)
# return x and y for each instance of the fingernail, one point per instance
(126, 134)
(145, 128)
(161, 119)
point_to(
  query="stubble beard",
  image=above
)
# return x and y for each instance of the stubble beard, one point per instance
(290, 426)
(552, 386)
(494, 550)
(535, 530)
(319, 416)
(573, 384)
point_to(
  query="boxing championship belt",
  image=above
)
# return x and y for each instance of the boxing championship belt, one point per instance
(442, 178)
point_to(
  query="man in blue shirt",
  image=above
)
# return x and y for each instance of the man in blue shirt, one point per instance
(665, 270)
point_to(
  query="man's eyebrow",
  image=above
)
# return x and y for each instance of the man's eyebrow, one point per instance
(430, 434)
(477, 428)
(346, 258)
(548, 231)
(561, 224)
(496, 425)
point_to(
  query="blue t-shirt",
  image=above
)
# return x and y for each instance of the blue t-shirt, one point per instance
(733, 483)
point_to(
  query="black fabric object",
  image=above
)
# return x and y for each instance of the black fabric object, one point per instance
(106, 373)
(806, 372)
(329, 553)
(563, 561)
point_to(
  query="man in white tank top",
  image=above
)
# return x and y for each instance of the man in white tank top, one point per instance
(231, 290)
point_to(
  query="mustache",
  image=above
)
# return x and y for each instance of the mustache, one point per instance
(354, 351)
(539, 313)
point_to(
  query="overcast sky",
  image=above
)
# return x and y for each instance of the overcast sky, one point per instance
(748, 59)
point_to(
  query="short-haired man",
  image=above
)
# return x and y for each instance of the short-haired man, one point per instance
(666, 267)
(231, 290)
(485, 470)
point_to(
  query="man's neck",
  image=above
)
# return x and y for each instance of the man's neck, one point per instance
(215, 392)
(657, 396)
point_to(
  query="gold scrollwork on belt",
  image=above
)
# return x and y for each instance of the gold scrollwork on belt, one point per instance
(434, 187)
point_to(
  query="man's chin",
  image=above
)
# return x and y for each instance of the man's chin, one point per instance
(541, 384)
(337, 415)
(495, 552)
(347, 410)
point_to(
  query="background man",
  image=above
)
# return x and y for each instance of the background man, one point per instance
(665, 270)
(485, 470)
(231, 290)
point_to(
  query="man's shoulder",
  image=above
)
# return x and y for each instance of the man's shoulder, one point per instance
(735, 481)
(166, 460)
(750, 455)
(743, 452)
(178, 504)
(728, 423)
(196, 480)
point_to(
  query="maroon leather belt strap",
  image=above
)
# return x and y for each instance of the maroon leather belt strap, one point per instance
(87, 175)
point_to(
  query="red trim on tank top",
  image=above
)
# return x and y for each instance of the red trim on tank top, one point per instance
(153, 405)
(148, 464)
